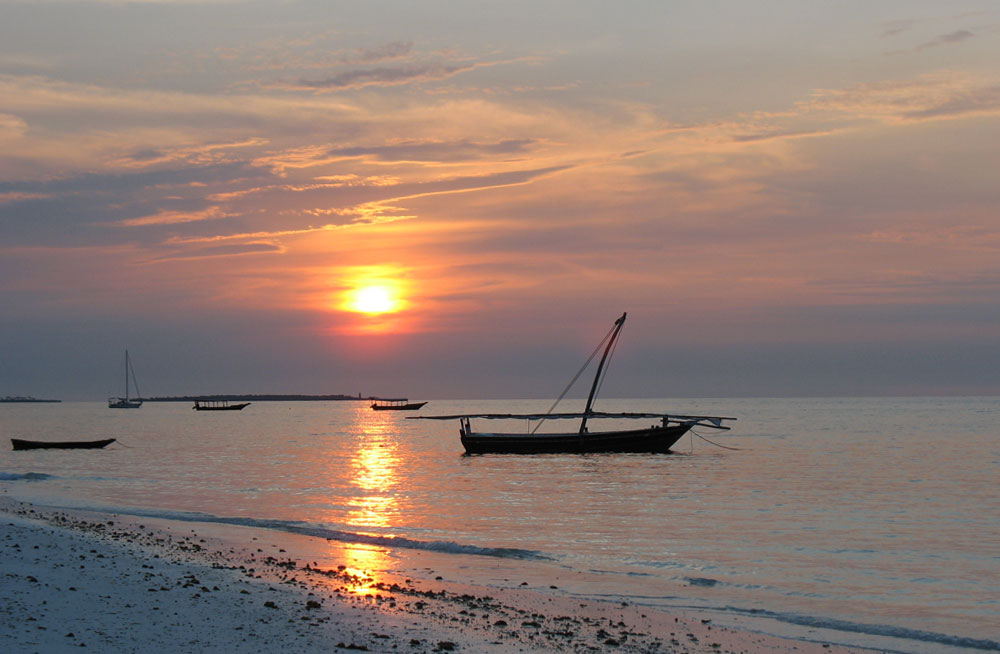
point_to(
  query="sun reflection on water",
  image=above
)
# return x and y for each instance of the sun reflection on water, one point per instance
(375, 465)
(365, 571)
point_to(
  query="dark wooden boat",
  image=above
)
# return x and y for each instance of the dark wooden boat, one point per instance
(399, 404)
(127, 402)
(20, 444)
(655, 438)
(218, 405)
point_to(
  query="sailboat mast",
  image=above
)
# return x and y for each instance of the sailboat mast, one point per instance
(126, 375)
(600, 367)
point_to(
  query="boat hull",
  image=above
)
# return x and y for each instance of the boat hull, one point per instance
(651, 439)
(20, 444)
(412, 406)
(124, 404)
(228, 407)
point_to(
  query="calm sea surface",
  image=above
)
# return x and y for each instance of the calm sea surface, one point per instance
(866, 521)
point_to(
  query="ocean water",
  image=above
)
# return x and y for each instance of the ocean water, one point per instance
(873, 522)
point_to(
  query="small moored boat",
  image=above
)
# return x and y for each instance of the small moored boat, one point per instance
(21, 444)
(127, 402)
(218, 405)
(398, 404)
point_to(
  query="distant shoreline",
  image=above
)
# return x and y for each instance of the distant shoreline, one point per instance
(9, 399)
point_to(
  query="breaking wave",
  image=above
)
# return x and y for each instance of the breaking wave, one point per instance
(886, 631)
(319, 531)
(25, 476)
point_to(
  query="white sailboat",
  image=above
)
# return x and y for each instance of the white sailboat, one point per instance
(127, 402)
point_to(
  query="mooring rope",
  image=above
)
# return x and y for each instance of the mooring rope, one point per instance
(725, 447)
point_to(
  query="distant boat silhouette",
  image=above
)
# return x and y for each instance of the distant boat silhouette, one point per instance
(218, 405)
(127, 402)
(398, 404)
(655, 438)
(20, 444)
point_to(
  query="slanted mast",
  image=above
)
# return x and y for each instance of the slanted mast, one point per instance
(597, 378)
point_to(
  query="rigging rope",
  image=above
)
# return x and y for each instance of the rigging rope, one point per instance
(575, 377)
(135, 383)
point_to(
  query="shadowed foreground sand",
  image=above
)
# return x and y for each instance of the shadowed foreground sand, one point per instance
(106, 583)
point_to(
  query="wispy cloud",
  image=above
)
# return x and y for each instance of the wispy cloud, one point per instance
(222, 250)
(982, 100)
(316, 52)
(19, 196)
(173, 218)
(957, 36)
(965, 237)
(436, 151)
(780, 134)
(386, 52)
(384, 76)
(929, 97)
(197, 154)
(895, 27)
(12, 126)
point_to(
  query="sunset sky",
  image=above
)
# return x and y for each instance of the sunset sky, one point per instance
(456, 199)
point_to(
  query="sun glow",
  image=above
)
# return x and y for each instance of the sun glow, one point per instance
(374, 299)
(377, 296)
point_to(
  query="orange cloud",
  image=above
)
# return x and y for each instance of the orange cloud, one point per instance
(173, 217)
(938, 96)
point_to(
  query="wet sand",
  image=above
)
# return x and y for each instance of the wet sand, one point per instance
(110, 583)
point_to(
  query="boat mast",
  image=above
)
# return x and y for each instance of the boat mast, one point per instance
(600, 367)
(126, 376)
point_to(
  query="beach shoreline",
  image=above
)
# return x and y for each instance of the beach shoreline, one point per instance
(106, 582)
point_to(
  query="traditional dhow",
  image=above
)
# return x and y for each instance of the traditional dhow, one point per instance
(218, 405)
(398, 404)
(655, 438)
(21, 444)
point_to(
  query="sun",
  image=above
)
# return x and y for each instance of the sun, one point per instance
(374, 300)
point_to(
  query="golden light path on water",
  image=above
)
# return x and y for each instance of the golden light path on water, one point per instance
(374, 464)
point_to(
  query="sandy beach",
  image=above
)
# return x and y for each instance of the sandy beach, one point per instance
(109, 583)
